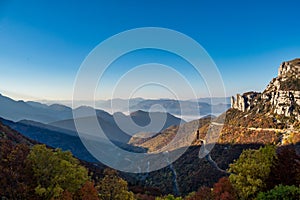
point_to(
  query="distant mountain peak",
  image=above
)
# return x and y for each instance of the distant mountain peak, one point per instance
(59, 107)
(138, 112)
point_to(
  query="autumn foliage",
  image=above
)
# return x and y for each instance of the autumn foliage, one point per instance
(223, 190)
(38, 172)
(15, 174)
(43, 173)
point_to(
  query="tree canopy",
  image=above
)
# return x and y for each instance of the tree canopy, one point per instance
(112, 187)
(56, 171)
(280, 192)
(251, 170)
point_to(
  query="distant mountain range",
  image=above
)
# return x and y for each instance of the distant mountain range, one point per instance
(20, 110)
(205, 106)
(121, 130)
(40, 112)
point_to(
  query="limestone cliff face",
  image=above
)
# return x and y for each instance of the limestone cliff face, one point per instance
(244, 102)
(282, 94)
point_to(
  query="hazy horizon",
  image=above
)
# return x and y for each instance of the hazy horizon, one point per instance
(23, 97)
(49, 102)
(247, 41)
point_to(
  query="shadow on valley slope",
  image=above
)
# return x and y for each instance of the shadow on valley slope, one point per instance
(61, 139)
(191, 171)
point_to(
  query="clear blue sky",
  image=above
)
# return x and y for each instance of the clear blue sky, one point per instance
(42, 43)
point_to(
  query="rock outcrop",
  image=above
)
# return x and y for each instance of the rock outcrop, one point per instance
(244, 102)
(282, 94)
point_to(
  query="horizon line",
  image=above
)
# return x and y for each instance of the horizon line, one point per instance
(3, 93)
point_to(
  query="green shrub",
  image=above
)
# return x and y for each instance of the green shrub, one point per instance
(280, 192)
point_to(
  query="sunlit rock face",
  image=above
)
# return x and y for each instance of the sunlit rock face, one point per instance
(282, 95)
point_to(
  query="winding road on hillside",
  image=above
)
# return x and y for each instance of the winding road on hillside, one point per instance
(285, 132)
(208, 156)
(214, 164)
(267, 129)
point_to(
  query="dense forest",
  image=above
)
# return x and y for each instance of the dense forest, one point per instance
(38, 172)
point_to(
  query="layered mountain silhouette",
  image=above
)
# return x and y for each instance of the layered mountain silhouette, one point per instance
(202, 106)
(183, 107)
(57, 129)
(20, 110)
(120, 127)
(39, 112)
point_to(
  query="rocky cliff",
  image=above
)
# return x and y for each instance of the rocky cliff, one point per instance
(281, 96)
